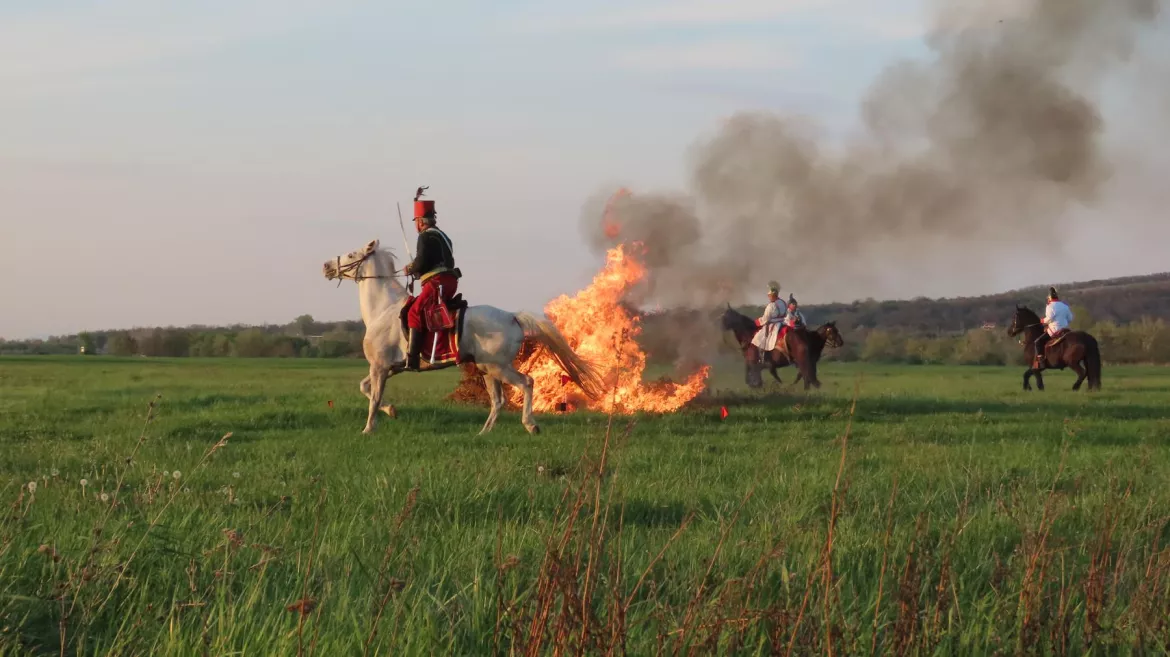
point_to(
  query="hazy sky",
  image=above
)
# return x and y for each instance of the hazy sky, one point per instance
(172, 164)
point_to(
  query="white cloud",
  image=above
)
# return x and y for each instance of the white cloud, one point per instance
(679, 13)
(711, 55)
(878, 19)
(52, 45)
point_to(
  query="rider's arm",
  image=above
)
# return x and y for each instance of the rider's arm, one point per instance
(424, 257)
(769, 312)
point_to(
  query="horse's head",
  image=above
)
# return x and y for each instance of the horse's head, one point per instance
(742, 326)
(1023, 320)
(833, 335)
(350, 265)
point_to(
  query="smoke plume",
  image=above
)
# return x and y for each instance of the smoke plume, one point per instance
(990, 143)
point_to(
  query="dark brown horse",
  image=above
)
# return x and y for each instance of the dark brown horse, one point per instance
(1075, 349)
(804, 345)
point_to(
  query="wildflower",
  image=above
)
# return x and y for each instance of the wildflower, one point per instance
(105, 497)
(32, 486)
(176, 474)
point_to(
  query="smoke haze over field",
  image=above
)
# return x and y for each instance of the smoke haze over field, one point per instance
(988, 150)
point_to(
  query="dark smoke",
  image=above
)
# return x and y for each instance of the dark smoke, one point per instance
(993, 142)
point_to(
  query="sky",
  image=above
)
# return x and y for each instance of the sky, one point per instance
(169, 164)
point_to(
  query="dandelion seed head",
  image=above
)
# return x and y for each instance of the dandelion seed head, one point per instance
(105, 497)
(84, 483)
(236, 475)
(54, 472)
(32, 486)
(176, 474)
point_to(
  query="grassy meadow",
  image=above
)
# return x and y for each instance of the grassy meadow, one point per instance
(939, 510)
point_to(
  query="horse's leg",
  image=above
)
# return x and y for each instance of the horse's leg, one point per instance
(1028, 378)
(388, 409)
(496, 394)
(377, 387)
(1081, 374)
(524, 383)
(1040, 380)
(753, 374)
(772, 370)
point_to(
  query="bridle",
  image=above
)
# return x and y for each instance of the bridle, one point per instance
(833, 337)
(1019, 330)
(352, 270)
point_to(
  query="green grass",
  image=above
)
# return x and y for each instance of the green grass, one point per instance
(1020, 520)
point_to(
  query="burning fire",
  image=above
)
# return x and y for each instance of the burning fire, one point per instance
(603, 331)
(609, 224)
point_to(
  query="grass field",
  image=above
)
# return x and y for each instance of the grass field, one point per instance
(961, 515)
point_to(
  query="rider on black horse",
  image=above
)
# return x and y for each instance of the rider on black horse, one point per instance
(434, 265)
(1057, 318)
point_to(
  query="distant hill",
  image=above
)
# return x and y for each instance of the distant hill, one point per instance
(1131, 315)
(1117, 300)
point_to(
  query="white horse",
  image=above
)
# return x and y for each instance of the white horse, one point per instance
(491, 337)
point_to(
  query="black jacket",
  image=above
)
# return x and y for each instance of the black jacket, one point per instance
(433, 254)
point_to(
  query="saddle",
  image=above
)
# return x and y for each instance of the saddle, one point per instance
(436, 319)
(1053, 340)
(446, 322)
(782, 342)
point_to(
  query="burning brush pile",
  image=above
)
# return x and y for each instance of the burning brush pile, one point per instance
(603, 330)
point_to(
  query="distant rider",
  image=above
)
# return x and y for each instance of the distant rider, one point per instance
(793, 318)
(1057, 319)
(770, 322)
(434, 265)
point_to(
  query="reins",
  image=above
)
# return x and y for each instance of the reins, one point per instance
(1024, 338)
(352, 271)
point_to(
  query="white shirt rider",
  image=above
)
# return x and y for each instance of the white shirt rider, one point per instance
(1057, 317)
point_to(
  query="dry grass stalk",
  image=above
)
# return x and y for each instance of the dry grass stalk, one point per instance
(877, 608)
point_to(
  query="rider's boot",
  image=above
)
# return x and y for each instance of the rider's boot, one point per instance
(1040, 344)
(414, 353)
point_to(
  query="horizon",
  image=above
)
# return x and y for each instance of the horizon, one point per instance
(195, 165)
(228, 325)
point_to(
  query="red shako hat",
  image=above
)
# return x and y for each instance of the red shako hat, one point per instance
(423, 208)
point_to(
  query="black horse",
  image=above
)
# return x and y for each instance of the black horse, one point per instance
(804, 346)
(1075, 349)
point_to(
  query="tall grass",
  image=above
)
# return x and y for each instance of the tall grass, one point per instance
(872, 536)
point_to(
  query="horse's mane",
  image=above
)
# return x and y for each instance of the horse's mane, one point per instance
(1027, 311)
(741, 321)
(387, 253)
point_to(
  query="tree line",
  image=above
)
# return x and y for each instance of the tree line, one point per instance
(1129, 316)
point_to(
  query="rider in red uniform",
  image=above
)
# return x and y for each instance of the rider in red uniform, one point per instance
(434, 266)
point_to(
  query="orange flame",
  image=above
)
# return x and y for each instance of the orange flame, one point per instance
(601, 330)
(609, 223)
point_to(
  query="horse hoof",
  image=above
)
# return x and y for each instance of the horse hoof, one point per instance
(390, 411)
(534, 430)
(367, 431)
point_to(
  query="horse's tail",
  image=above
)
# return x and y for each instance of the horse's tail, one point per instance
(1093, 362)
(580, 371)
